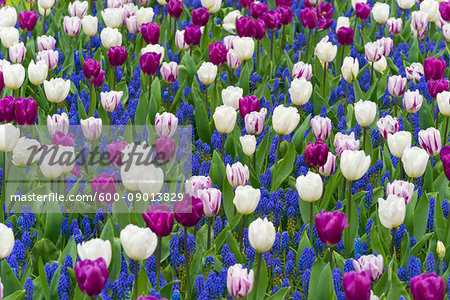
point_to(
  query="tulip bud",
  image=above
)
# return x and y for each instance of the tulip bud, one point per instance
(72, 25)
(169, 71)
(27, 20)
(326, 51)
(224, 118)
(345, 36)
(8, 16)
(430, 141)
(254, 122)
(309, 187)
(189, 211)
(394, 25)
(342, 22)
(192, 35)
(25, 111)
(13, 134)
(248, 143)
(261, 235)
(196, 184)
(434, 68)
(398, 142)
(92, 128)
(231, 96)
(354, 164)
(414, 72)
(329, 167)
(431, 8)
(115, 153)
(200, 16)
(144, 15)
(132, 24)
(7, 107)
(372, 263)
(246, 199)
(17, 53)
(105, 188)
(257, 9)
(164, 149)
(406, 4)
(150, 32)
(50, 57)
(58, 123)
(179, 40)
(45, 43)
(424, 286)
(344, 142)
(111, 100)
(330, 226)
(239, 282)
(90, 26)
(159, 219)
(138, 243)
(402, 189)
(91, 276)
(302, 70)
(362, 10)
(244, 27)
(321, 127)
(396, 85)
(316, 154)
(372, 52)
(232, 60)
(111, 37)
(9, 36)
(59, 153)
(391, 211)
(95, 249)
(440, 249)
(166, 124)
(117, 56)
(56, 90)
(175, 8)
(285, 119)
(78, 9)
(229, 22)
(150, 63)
(350, 69)
(13, 76)
(272, 20)
(445, 158)
(436, 87)
(415, 161)
(244, 47)
(91, 69)
(217, 53)
(357, 285)
(207, 73)
(247, 105)
(211, 200)
(385, 44)
(380, 12)
(300, 91)
(228, 41)
(259, 30)
(365, 112)
(237, 174)
(113, 17)
(381, 65)
(443, 101)
(37, 72)
(7, 237)
(412, 101)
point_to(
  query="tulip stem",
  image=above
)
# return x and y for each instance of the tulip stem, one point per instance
(307, 44)
(3, 189)
(311, 221)
(90, 44)
(271, 50)
(257, 55)
(446, 132)
(206, 98)
(45, 21)
(280, 137)
(394, 231)
(437, 119)
(364, 138)
(150, 79)
(342, 57)
(135, 279)
(258, 269)
(441, 266)
(371, 75)
(324, 78)
(94, 297)
(158, 263)
(186, 258)
(241, 234)
(349, 209)
(223, 145)
(381, 31)
(283, 37)
(331, 259)
(114, 77)
(395, 106)
(208, 245)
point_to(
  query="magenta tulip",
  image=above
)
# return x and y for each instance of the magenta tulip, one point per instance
(345, 36)
(247, 105)
(217, 53)
(27, 20)
(316, 154)
(91, 276)
(150, 33)
(200, 16)
(159, 219)
(357, 285)
(192, 35)
(175, 8)
(25, 111)
(434, 68)
(244, 27)
(7, 108)
(189, 211)
(330, 226)
(427, 287)
(117, 56)
(150, 63)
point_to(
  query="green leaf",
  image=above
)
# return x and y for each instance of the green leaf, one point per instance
(262, 281)
(421, 217)
(10, 282)
(281, 294)
(283, 168)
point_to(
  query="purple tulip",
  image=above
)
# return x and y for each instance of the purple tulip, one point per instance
(104, 187)
(445, 158)
(285, 14)
(325, 13)
(435, 87)
(363, 11)
(257, 10)
(192, 35)
(91, 276)
(244, 27)
(115, 153)
(2, 82)
(25, 111)
(245, 3)
(308, 17)
(59, 138)
(150, 33)
(175, 8)
(7, 107)
(150, 63)
(217, 53)
(285, 3)
(99, 80)
(357, 285)
(188, 211)
(316, 154)
(159, 219)
(165, 149)
(434, 68)
(200, 16)
(427, 287)
(91, 69)
(2, 3)
(330, 226)
(247, 105)
(259, 30)
(27, 20)
(117, 56)
(345, 36)
(272, 20)
(444, 9)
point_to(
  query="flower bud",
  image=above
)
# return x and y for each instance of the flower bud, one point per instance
(415, 161)
(396, 85)
(344, 142)
(56, 90)
(13, 76)
(412, 101)
(50, 57)
(440, 249)
(25, 111)
(309, 187)
(111, 37)
(248, 143)
(169, 71)
(211, 200)
(192, 35)
(300, 91)
(111, 100)
(254, 122)
(94, 249)
(402, 189)
(159, 219)
(244, 47)
(321, 127)
(7, 237)
(430, 141)
(138, 243)
(434, 68)
(261, 235)
(91, 276)
(27, 20)
(330, 226)
(391, 211)
(58, 123)
(237, 174)
(302, 70)
(365, 112)
(17, 53)
(354, 164)
(232, 60)
(224, 118)
(78, 9)
(189, 211)
(90, 25)
(350, 68)
(357, 285)
(200, 16)
(231, 96)
(217, 53)
(315, 155)
(239, 282)
(207, 73)
(72, 25)
(92, 128)
(150, 32)
(398, 142)
(438, 86)
(394, 25)
(285, 119)
(380, 12)
(45, 42)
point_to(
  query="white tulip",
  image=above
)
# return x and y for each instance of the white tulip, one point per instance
(22, 153)
(380, 12)
(151, 179)
(92, 128)
(443, 101)
(225, 118)
(244, 47)
(111, 37)
(300, 91)
(94, 249)
(326, 51)
(57, 89)
(37, 72)
(380, 65)
(285, 119)
(113, 17)
(90, 25)
(398, 142)
(248, 143)
(246, 199)
(431, 7)
(13, 76)
(391, 211)
(415, 161)
(138, 243)
(58, 123)
(144, 15)
(46, 4)
(111, 100)
(350, 68)
(365, 112)
(406, 4)
(261, 235)
(9, 135)
(309, 187)
(229, 22)
(237, 174)
(342, 22)
(231, 96)
(207, 73)
(8, 16)
(440, 249)
(7, 238)
(354, 164)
